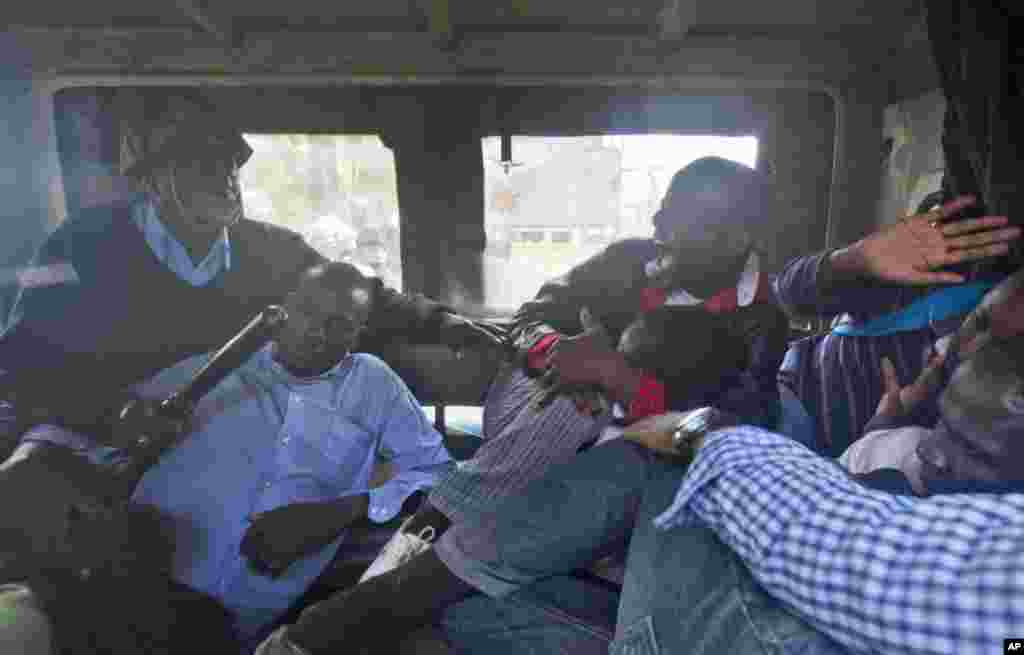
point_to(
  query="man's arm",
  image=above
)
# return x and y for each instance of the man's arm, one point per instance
(876, 572)
(870, 276)
(612, 273)
(412, 446)
(416, 319)
(815, 286)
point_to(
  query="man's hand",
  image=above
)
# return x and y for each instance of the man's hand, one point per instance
(679, 434)
(899, 401)
(541, 310)
(587, 361)
(140, 424)
(912, 250)
(278, 538)
(459, 333)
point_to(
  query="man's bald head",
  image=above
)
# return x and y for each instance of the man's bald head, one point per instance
(981, 434)
(326, 313)
(710, 218)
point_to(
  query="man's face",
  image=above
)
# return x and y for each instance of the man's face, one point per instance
(323, 325)
(202, 182)
(980, 435)
(1000, 315)
(698, 234)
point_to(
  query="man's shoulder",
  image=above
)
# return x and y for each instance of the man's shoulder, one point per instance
(373, 369)
(248, 228)
(633, 248)
(92, 222)
(632, 244)
(261, 240)
(88, 236)
(371, 363)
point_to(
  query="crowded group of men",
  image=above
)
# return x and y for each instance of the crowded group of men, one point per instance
(852, 492)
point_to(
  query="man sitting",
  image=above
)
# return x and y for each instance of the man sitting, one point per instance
(281, 452)
(698, 355)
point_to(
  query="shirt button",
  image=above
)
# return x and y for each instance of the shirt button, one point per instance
(267, 485)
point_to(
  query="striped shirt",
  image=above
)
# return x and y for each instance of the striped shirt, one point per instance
(520, 443)
(838, 378)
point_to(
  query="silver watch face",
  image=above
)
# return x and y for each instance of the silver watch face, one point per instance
(693, 425)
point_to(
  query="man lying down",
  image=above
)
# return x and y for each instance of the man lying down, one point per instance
(258, 495)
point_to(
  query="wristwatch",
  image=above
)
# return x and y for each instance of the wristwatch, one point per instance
(696, 425)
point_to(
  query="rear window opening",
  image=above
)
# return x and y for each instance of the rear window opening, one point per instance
(338, 191)
(561, 200)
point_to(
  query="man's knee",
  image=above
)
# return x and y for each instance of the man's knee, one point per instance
(560, 615)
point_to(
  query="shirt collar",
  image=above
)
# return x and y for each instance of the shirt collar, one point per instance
(172, 253)
(275, 368)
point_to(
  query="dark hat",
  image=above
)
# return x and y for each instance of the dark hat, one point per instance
(157, 126)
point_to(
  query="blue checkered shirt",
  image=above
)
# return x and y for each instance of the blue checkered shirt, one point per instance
(876, 572)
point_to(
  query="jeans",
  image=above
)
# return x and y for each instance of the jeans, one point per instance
(562, 614)
(684, 591)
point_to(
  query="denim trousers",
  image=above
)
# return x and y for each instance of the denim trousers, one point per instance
(684, 591)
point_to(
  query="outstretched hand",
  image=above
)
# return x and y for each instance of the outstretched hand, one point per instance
(898, 400)
(460, 333)
(912, 250)
(142, 424)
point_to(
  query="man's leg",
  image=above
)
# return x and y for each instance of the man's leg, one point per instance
(580, 511)
(563, 614)
(685, 592)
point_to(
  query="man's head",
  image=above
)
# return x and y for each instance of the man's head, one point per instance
(183, 152)
(1000, 315)
(685, 343)
(325, 316)
(980, 435)
(708, 219)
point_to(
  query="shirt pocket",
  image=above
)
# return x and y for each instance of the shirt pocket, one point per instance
(327, 446)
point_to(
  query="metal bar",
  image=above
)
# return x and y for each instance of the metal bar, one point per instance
(220, 27)
(439, 419)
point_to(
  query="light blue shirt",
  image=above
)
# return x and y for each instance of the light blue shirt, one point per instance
(173, 255)
(264, 439)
